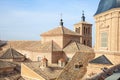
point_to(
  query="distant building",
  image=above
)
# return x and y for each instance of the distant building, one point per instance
(12, 55)
(107, 43)
(107, 26)
(85, 30)
(59, 49)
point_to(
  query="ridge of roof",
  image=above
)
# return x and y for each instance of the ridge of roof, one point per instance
(61, 30)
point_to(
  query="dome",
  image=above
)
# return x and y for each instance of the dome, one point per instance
(106, 5)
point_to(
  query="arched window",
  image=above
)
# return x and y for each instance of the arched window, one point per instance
(89, 31)
(77, 30)
(84, 42)
(84, 30)
(88, 43)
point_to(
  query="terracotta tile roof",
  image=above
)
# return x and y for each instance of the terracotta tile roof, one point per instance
(74, 46)
(60, 31)
(50, 46)
(49, 73)
(36, 46)
(24, 45)
(70, 72)
(11, 54)
(101, 60)
(4, 64)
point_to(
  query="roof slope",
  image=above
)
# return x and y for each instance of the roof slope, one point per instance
(4, 64)
(106, 5)
(101, 60)
(11, 54)
(74, 46)
(49, 73)
(60, 31)
(70, 72)
(24, 45)
(50, 46)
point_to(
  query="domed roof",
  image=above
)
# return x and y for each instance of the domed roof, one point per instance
(106, 5)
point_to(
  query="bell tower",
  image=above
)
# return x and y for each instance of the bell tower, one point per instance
(85, 30)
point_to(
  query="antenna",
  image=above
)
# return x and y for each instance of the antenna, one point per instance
(61, 20)
(61, 16)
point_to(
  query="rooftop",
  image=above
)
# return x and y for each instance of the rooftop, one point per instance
(4, 64)
(74, 46)
(50, 72)
(61, 30)
(11, 54)
(101, 60)
(24, 45)
(106, 5)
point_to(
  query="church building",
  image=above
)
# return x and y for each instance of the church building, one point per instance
(85, 30)
(107, 43)
(107, 22)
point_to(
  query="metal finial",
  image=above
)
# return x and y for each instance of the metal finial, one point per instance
(83, 17)
(61, 20)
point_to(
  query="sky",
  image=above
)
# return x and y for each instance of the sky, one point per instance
(27, 19)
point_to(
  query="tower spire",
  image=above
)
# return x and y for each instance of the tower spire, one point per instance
(83, 17)
(61, 20)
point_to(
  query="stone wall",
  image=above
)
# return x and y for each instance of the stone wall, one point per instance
(67, 39)
(57, 39)
(109, 22)
(35, 55)
(58, 55)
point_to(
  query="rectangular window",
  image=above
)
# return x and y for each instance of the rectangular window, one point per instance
(39, 58)
(104, 39)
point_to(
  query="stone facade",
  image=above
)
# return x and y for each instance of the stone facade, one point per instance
(107, 31)
(107, 41)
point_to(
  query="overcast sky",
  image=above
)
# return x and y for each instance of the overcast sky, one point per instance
(27, 19)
